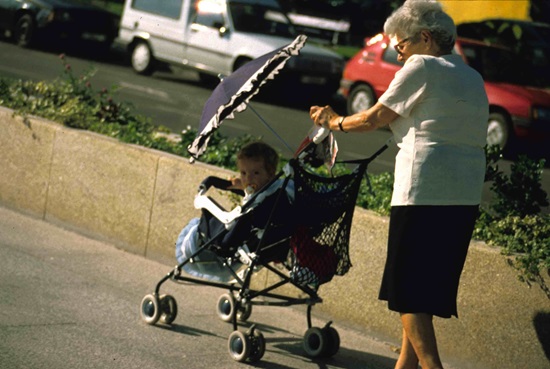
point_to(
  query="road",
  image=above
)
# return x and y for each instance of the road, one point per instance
(175, 100)
(67, 301)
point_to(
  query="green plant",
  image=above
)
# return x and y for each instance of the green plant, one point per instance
(375, 193)
(526, 240)
(514, 221)
(520, 193)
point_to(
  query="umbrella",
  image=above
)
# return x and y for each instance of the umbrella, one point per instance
(233, 92)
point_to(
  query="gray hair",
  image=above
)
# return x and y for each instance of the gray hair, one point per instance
(417, 15)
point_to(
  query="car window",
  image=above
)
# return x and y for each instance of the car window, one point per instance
(543, 32)
(165, 8)
(501, 65)
(256, 18)
(477, 31)
(510, 33)
(209, 14)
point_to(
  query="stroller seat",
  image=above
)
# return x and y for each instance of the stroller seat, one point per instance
(300, 220)
(220, 242)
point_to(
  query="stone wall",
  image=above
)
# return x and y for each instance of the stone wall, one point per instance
(140, 199)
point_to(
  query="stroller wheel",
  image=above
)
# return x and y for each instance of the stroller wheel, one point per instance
(244, 311)
(150, 312)
(226, 307)
(239, 346)
(315, 342)
(168, 309)
(257, 349)
(333, 344)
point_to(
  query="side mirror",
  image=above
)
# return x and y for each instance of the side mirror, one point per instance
(222, 30)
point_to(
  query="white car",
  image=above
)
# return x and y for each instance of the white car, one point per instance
(215, 37)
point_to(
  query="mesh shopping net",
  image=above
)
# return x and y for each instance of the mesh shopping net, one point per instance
(323, 210)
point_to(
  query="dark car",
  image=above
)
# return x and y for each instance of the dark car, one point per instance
(30, 22)
(529, 39)
(519, 100)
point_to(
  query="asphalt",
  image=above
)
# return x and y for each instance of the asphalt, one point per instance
(69, 301)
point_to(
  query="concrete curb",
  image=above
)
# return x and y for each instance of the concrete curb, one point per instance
(140, 199)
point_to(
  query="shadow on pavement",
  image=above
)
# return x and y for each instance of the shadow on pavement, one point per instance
(345, 358)
(541, 321)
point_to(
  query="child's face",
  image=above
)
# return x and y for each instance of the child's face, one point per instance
(253, 173)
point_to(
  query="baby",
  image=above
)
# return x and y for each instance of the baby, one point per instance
(257, 164)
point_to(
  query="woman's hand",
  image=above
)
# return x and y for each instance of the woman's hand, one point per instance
(322, 116)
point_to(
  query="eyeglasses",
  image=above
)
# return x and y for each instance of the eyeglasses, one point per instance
(401, 44)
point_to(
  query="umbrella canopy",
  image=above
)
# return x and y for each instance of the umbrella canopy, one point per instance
(233, 92)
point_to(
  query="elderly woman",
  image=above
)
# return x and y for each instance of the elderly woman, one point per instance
(437, 109)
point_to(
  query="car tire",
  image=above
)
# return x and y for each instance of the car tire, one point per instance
(142, 59)
(499, 130)
(361, 98)
(24, 31)
(208, 79)
(240, 62)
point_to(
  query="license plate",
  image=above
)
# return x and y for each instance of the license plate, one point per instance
(312, 80)
(94, 37)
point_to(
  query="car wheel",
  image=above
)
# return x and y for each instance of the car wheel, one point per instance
(24, 31)
(142, 59)
(240, 62)
(361, 98)
(498, 130)
(208, 79)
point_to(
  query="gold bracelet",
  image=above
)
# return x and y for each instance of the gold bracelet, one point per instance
(340, 124)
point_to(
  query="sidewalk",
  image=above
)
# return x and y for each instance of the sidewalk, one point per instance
(66, 297)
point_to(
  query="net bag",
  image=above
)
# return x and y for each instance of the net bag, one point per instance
(323, 211)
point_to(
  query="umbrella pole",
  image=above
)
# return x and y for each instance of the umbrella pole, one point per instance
(271, 129)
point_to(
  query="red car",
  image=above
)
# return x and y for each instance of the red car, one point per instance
(519, 96)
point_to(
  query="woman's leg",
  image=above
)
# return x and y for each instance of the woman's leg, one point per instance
(420, 333)
(407, 356)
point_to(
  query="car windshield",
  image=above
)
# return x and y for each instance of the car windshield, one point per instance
(543, 32)
(256, 18)
(501, 65)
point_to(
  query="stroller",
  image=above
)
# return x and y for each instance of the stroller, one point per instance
(297, 227)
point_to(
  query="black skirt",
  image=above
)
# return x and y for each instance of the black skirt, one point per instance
(427, 248)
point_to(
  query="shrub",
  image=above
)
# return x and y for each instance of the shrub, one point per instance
(376, 193)
(513, 221)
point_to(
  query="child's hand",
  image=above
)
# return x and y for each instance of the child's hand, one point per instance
(236, 184)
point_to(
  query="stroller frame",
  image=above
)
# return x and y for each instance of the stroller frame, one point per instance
(236, 305)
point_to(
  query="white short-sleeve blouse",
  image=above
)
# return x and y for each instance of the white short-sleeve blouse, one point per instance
(441, 131)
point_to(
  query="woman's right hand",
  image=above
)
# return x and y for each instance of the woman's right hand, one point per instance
(322, 115)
